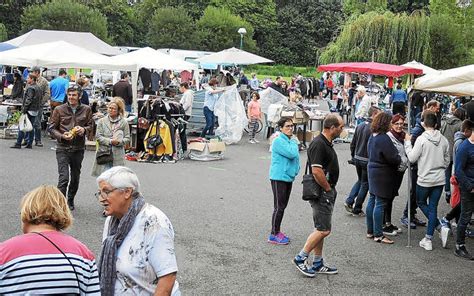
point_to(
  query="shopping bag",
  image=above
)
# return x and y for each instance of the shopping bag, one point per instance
(24, 124)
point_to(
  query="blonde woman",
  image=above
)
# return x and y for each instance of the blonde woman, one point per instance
(112, 135)
(44, 260)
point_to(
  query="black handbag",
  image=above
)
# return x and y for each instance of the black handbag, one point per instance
(311, 189)
(104, 156)
(154, 141)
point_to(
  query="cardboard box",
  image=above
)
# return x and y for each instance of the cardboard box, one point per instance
(216, 147)
(7, 91)
(197, 146)
(309, 136)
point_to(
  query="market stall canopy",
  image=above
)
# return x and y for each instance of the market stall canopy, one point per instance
(233, 56)
(6, 46)
(149, 58)
(418, 65)
(61, 54)
(371, 68)
(86, 40)
(457, 81)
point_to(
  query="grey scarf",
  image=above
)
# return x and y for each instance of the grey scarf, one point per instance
(118, 230)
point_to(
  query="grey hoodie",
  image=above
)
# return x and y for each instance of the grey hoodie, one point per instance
(431, 152)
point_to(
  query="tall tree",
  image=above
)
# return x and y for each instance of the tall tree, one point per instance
(10, 13)
(217, 30)
(399, 6)
(303, 30)
(64, 15)
(121, 20)
(169, 28)
(3, 32)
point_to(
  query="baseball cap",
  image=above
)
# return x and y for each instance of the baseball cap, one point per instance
(35, 68)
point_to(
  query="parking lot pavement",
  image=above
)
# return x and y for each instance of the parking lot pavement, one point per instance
(221, 214)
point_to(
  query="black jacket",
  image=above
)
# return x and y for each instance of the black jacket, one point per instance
(32, 98)
(360, 141)
(123, 89)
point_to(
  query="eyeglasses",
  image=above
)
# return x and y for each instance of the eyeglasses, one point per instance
(104, 193)
(289, 125)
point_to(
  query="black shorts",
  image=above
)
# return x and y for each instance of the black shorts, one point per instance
(322, 210)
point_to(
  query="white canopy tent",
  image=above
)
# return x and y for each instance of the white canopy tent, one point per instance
(233, 56)
(61, 54)
(457, 81)
(152, 59)
(418, 65)
(85, 40)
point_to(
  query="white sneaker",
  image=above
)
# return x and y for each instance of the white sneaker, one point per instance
(252, 141)
(426, 244)
(443, 234)
(256, 141)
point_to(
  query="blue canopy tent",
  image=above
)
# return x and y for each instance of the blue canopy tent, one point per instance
(6, 46)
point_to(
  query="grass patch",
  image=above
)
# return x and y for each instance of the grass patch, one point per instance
(272, 71)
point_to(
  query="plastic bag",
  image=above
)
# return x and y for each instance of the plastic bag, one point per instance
(24, 124)
(231, 115)
(270, 96)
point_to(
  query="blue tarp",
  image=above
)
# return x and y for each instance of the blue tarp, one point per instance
(6, 46)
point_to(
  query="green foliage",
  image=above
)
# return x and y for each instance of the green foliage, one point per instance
(394, 39)
(400, 6)
(10, 13)
(15, 118)
(64, 15)
(121, 20)
(303, 30)
(217, 30)
(280, 70)
(447, 43)
(3, 32)
(462, 17)
(169, 28)
(261, 14)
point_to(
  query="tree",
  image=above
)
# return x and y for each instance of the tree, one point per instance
(64, 15)
(10, 13)
(400, 6)
(303, 30)
(121, 20)
(261, 14)
(394, 39)
(217, 30)
(3, 32)
(169, 28)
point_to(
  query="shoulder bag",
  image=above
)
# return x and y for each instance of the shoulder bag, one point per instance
(311, 188)
(67, 258)
(104, 156)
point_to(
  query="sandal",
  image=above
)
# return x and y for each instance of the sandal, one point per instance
(383, 240)
(370, 235)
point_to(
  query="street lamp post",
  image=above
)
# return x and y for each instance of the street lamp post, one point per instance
(242, 31)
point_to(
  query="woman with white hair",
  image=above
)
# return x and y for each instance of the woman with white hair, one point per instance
(364, 104)
(138, 256)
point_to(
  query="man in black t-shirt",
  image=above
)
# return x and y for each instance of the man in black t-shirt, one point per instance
(325, 169)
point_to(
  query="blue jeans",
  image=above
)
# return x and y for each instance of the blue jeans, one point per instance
(28, 136)
(430, 209)
(209, 115)
(374, 211)
(360, 188)
(128, 108)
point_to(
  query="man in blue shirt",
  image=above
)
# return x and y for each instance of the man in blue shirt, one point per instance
(399, 101)
(464, 172)
(210, 99)
(58, 87)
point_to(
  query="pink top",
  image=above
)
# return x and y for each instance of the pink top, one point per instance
(254, 110)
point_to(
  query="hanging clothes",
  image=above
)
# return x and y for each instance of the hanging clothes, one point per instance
(164, 131)
(155, 81)
(145, 76)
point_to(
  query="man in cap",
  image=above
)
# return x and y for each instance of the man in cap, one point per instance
(45, 94)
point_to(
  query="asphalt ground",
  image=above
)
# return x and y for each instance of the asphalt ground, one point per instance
(221, 213)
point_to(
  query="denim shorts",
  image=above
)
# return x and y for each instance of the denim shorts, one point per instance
(322, 210)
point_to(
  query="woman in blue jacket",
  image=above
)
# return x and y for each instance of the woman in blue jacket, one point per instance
(382, 167)
(284, 167)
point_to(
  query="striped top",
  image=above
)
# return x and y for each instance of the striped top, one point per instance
(29, 264)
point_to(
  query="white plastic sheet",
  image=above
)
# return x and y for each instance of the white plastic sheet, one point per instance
(231, 115)
(270, 96)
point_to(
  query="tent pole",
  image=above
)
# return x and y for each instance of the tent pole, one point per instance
(409, 166)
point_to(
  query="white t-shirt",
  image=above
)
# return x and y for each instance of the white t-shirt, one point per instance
(146, 254)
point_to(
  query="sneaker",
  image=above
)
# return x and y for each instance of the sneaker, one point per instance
(443, 234)
(462, 252)
(252, 141)
(283, 235)
(360, 214)
(301, 265)
(278, 239)
(29, 147)
(256, 141)
(470, 233)
(396, 228)
(348, 208)
(388, 230)
(426, 244)
(404, 221)
(24, 143)
(445, 223)
(39, 144)
(16, 146)
(418, 222)
(323, 269)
